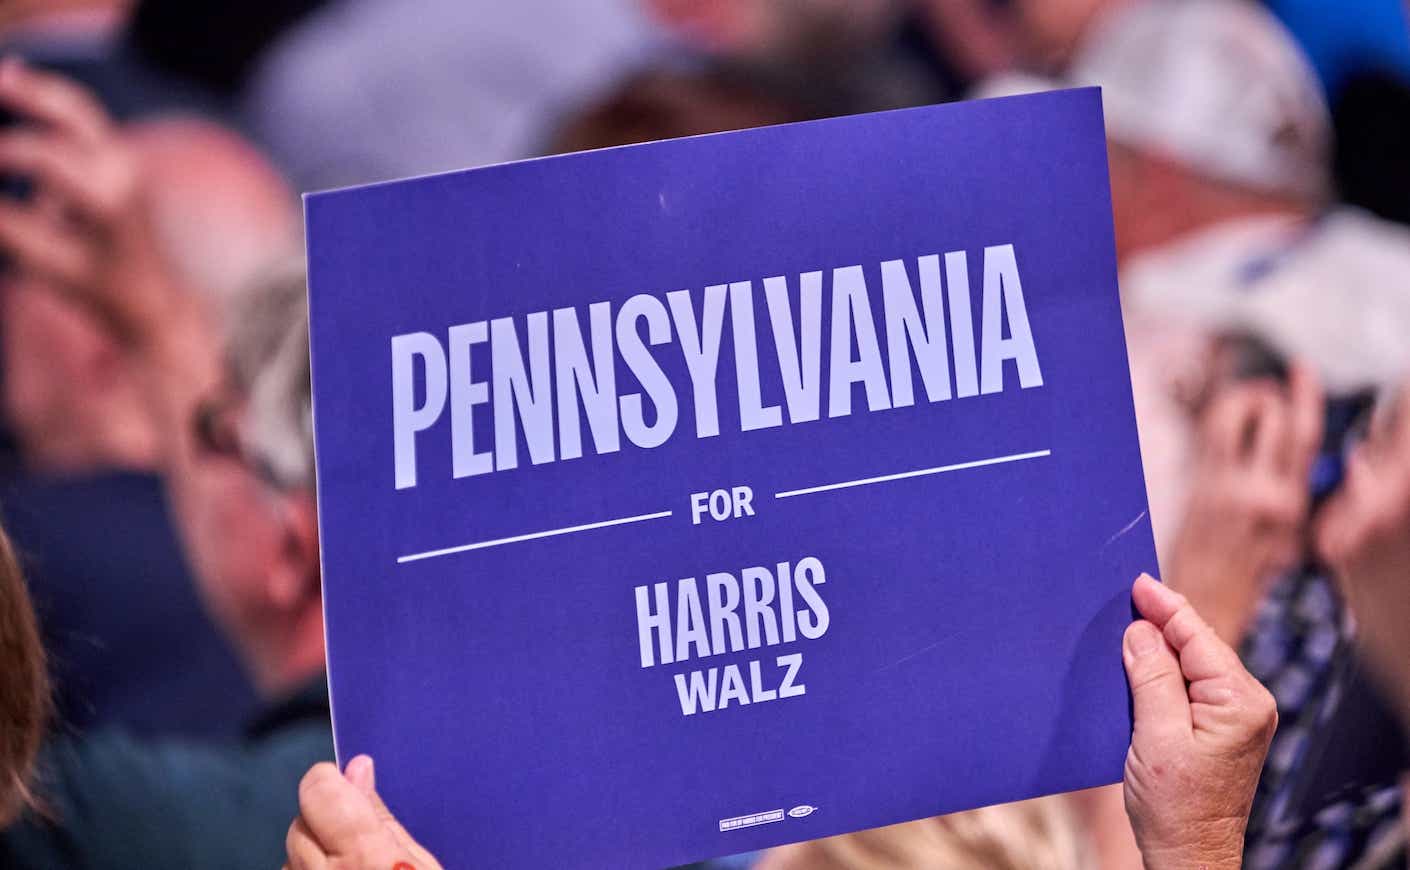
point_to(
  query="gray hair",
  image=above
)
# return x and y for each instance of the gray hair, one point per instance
(267, 353)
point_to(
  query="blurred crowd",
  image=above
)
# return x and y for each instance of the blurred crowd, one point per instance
(156, 472)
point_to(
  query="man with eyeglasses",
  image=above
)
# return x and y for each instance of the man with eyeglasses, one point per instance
(233, 416)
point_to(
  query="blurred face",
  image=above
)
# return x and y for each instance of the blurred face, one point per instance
(250, 543)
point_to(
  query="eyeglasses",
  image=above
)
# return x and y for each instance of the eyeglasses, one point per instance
(216, 425)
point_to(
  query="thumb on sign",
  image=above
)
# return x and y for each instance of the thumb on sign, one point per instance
(343, 822)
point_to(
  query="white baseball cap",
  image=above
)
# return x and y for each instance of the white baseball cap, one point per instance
(1216, 85)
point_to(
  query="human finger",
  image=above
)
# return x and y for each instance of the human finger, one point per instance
(1343, 518)
(41, 247)
(341, 818)
(302, 849)
(1270, 432)
(362, 772)
(1224, 431)
(1202, 654)
(1159, 703)
(1306, 402)
(1329, 528)
(88, 183)
(52, 100)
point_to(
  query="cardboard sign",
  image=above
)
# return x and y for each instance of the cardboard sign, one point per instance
(690, 498)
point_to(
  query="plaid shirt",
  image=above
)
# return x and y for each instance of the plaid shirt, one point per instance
(1299, 639)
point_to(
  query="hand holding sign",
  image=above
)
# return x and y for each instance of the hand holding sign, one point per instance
(1196, 752)
(882, 355)
(1202, 729)
(344, 823)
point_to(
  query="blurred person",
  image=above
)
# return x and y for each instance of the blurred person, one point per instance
(91, 448)
(1332, 293)
(831, 57)
(220, 215)
(1220, 171)
(1218, 140)
(24, 688)
(657, 105)
(1201, 728)
(1213, 114)
(1255, 443)
(233, 416)
(367, 90)
(1267, 451)
(1221, 186)
(845, 56)
(220, 211)
(963, 42)
(1364, 534)
(764, 29)
(801, 33)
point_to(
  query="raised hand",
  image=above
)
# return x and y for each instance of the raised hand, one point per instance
(1248, 509)
(1364, 533)
(1202, 729)
(85, 231)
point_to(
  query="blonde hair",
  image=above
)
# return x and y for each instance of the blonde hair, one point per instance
(1032, 835)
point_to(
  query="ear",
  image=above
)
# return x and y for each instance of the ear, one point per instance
(295, 580)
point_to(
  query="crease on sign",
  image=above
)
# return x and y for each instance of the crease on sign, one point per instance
(1125, 530)
(1032, 611)
(917, 654)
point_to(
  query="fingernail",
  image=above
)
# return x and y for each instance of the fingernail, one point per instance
(362, 772)
(1160, 589)
(1142, 638)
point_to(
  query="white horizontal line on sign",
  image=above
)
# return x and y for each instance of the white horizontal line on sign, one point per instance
(532, 536)
(961, 466)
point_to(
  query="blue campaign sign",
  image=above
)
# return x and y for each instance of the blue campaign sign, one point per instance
(689, 498)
